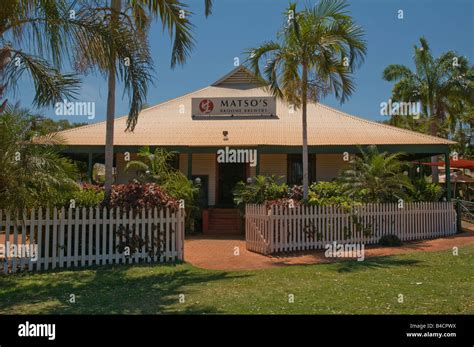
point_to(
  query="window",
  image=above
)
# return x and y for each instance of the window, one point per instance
(295, 168)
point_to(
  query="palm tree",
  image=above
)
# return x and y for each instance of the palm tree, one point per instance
(175, 18)
(30, 175)
(86, 35)
(318, 50)
(152, 166)
(379, 177)
(433, 83)
(34, 33)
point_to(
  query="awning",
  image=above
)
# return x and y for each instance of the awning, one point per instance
(456, 178)
(455, 164)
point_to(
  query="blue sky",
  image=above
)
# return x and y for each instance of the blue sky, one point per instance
(240, 24)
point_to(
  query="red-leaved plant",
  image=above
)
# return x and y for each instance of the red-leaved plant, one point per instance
(134, 196)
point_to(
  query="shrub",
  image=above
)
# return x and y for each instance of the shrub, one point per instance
(179, 187)
(261, 189)
(390, 241)
(155, 167)
(329, 193)
(135, 196)
(426, 191)
(380, 176)
(88, 197)
(275, 190)
(33, 173)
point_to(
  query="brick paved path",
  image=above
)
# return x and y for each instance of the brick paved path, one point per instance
(220, 253)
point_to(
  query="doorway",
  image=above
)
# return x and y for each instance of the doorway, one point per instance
(228, 176)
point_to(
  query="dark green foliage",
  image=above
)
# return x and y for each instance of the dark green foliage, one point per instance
(331, 193)
(261, 189)
(32, 173)
(377, 177)
(390, 241)
(88, 196)
(426, 191)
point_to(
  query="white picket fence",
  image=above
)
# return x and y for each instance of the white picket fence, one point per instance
(36, 241)
(283, 229)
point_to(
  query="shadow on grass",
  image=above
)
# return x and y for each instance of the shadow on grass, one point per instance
(373, 263)
(137, 289)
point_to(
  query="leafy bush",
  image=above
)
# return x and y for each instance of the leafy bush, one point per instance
(329, 193)
(261, 189)
(390, 241)
(154, 167)
(426, 191)
(33, 173)
(88, 196)
(135, 196)
(275, 190)
(379, 176)
(179, 187)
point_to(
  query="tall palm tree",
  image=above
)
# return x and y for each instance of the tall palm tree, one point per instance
(433, 83)
(318, 49)
(82, 32)
(175, 18)
(77, 31)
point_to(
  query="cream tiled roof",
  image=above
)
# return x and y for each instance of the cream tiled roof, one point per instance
(166, 124)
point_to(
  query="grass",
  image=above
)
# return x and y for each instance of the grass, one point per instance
(430, 282)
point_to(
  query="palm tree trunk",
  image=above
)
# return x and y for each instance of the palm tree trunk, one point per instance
(304, 87)
(109, 132)
(434, 159)
(5, 58)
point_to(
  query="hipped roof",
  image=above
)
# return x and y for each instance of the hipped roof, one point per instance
(170, 123)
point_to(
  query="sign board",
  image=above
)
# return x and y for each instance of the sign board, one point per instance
(234, 106)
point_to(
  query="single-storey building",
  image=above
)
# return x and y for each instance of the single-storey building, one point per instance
(235, 119)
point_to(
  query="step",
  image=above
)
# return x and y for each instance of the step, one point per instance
(218, 227)
(223, 231)
(224, 221)
(224, 211)
(223, 215)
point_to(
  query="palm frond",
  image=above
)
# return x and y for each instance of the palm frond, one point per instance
(51, 86)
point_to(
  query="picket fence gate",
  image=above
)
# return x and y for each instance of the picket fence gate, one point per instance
(281, 229)
(35, 241)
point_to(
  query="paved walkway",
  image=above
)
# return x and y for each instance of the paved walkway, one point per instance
(225, 253)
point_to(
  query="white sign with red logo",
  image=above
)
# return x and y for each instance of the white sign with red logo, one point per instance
(265, 106)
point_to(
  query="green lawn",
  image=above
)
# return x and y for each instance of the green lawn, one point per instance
(430, 283)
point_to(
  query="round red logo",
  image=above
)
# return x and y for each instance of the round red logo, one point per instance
(206, 106)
